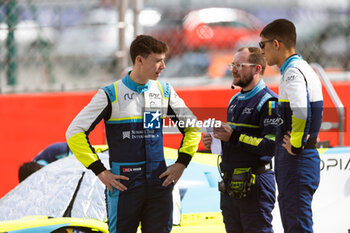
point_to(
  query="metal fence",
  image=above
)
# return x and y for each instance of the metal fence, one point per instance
(48, 45)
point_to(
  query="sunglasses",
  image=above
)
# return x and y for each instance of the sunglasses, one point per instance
(262, 43)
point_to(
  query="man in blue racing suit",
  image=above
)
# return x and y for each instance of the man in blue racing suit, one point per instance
(300, 106)
(248, 197)
(133, 108)
(50, 154)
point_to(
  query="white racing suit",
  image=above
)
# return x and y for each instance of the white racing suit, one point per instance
(133, 116)
(300, 105)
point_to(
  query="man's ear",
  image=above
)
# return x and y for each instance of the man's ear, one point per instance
(276, 44)
(138, 59)
(258, 68)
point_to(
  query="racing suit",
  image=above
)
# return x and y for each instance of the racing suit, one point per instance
(300, 106)
(252, 115)
(133, 116)
(52, 153)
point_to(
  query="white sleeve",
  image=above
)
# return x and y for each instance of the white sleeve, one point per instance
(88, 115)
(78, 131)
(296, 92)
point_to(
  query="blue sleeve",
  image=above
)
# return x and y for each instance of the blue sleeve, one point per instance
(52, 153)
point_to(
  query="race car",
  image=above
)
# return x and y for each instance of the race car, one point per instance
(64, 196)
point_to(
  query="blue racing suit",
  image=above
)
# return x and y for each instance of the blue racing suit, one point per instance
(252, 115)
(133, 116)
(300, 106)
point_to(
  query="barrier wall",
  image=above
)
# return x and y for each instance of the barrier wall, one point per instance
(30, 122)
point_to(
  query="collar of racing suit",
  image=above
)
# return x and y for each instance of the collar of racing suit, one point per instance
(134, 86)
(289, 62)
(253, 92)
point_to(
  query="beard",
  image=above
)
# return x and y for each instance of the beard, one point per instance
(243, 81)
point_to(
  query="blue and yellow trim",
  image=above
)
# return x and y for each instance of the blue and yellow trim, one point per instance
(164, 89)
(136, 119)
(111, 91)
(272, 105)
(265, 98)
(234, 125)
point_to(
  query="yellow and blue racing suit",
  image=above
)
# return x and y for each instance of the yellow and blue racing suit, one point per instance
(252, 115)
(133, 116)
(300, 106)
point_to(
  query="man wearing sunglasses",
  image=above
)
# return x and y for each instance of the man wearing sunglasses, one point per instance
(248, 187)
(300, 105)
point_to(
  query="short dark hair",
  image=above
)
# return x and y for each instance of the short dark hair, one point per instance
(27, 169)
(256, 57)
(144, 45)
(281, 29)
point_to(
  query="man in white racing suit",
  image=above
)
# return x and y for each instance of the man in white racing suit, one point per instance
(133, 108)
(300, 106)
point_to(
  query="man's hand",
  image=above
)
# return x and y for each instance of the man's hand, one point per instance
(173, 173)
(111, 180)
(207, 140)
(223, 132)
(287, 145)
